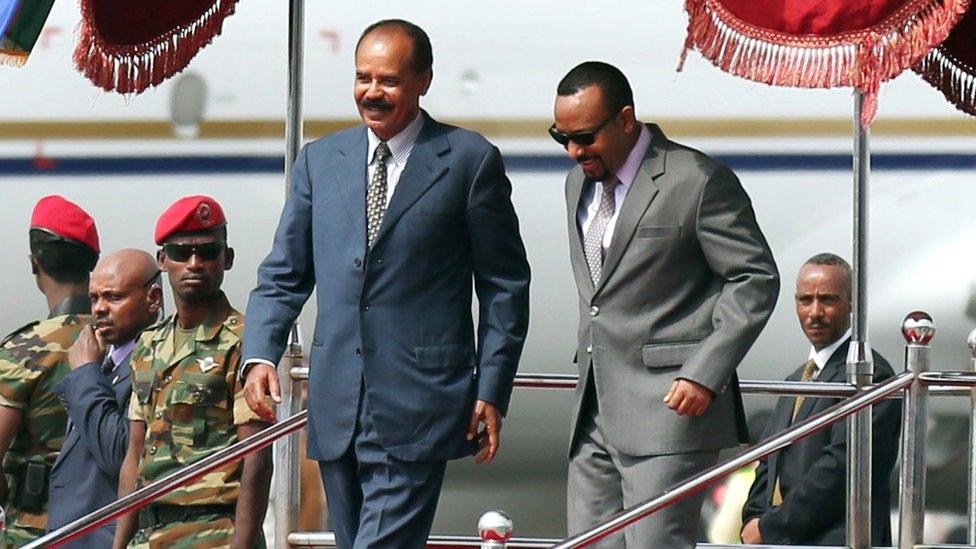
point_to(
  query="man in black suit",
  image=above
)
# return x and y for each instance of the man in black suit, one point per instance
(125, 299)
(799, 495)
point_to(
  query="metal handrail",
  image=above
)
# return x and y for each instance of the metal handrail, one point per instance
(78, 528)
(698, 482)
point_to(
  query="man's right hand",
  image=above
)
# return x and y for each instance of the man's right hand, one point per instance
(88, 348)
(262, 380)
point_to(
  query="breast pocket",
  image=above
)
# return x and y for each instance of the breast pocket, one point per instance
(659, 231)
(193, 403)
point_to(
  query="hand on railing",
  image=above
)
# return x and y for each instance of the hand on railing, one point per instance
(262, 380)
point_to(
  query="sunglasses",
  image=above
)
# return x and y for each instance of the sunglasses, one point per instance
(585, 138)
(181, 253)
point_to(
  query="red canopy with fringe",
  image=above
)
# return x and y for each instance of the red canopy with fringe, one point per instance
(819, 43)
(951, 67)
(129, 45)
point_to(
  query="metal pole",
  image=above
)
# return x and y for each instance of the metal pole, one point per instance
(860, 363)
(776, 442)
(286, 488)
(918, 330)
(147, 494)
(971, 495)
(296, 55)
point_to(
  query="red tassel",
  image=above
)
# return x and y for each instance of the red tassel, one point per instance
(133, 69)
(863, 60)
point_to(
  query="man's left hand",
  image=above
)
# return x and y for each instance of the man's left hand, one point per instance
(688, 398)
(487, 413)
(750, 533)
(88, 348)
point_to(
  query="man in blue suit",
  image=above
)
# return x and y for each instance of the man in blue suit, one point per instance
(126, 299)
(394, 222)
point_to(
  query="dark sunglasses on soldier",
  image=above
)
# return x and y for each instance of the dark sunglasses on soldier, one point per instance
(207, 251)
(585, 138)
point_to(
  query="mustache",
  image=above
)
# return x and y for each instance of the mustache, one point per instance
(375, 104)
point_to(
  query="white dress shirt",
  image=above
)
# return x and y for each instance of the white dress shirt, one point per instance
(823, 355)
(401, 145)
(590, 202)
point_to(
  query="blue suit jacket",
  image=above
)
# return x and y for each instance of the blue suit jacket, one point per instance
(85, 476)
(397, 319)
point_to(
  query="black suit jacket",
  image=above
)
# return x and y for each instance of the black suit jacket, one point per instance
(812, 471)
(85, 476)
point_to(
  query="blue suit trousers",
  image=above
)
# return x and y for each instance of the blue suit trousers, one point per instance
(376, 500)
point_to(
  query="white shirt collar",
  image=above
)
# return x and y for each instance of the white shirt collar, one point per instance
(823, 355)
(628, 171)
(400, 144)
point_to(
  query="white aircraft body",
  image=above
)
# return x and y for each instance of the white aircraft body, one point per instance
(496, 66)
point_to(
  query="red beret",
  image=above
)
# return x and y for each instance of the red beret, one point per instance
(189, 214)
(65, 219)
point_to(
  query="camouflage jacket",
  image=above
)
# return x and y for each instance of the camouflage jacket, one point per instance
(190, 400)
(32, 360)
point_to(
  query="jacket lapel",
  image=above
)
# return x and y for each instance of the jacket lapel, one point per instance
(575, 184)
(642, 191)
(123, 372)
(423, 169)
(834, 370)
(351, 181)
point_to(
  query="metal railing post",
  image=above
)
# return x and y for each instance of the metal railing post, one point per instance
(495, 529)
(860, 363)
(286, 489)
(971, 494)
(918, 329)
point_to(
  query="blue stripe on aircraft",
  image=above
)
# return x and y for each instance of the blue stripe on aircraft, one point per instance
(183, 165)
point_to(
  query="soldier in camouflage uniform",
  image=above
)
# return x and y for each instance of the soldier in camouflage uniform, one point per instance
(64, 248)
(187, 402)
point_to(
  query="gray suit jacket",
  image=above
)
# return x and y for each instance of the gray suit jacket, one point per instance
(688, 284)
(85, 476)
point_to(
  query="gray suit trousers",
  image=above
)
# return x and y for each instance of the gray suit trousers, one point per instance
(602, 481)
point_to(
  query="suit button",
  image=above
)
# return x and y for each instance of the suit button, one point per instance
(159, 415)
(594, 310)
(357, 263)
(359, 351)
(379, 261)
(366, 306)
(589, 348)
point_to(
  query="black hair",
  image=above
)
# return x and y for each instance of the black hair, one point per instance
(617, 93)
(423, 53)
(66, 261)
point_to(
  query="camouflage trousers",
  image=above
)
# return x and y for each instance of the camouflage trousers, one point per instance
(203, 532)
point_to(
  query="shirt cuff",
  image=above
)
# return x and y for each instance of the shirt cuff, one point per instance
(242, 373)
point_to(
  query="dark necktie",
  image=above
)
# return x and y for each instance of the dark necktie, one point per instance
(593, 239)
(376, 195)
(108, 365)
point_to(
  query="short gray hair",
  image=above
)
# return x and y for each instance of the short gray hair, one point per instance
(833, 260)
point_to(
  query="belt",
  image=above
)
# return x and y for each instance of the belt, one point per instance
(152, 516)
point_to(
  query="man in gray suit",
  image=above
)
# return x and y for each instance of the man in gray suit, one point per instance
(675, 282)
(125, 299)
